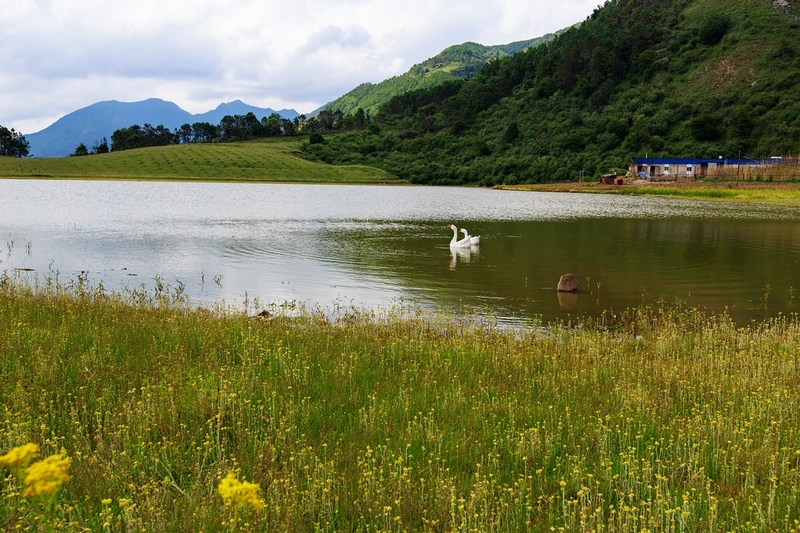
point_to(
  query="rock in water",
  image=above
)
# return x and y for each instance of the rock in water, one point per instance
(568, 283)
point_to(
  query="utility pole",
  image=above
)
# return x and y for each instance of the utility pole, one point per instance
(738, 166)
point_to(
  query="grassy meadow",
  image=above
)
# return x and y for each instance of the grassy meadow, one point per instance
(266, 160)
(176, 419)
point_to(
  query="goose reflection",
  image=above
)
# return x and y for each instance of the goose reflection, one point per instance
(463, 255)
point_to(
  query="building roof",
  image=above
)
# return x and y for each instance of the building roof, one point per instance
(690, 161)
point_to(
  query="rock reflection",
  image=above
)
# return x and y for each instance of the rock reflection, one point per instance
(567, 300)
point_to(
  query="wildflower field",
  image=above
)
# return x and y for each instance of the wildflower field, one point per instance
(127, 414)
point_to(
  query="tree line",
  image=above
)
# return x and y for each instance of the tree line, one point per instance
(231, 128)
(13, 143)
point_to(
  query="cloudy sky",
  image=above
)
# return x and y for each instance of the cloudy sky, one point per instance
(61, 55)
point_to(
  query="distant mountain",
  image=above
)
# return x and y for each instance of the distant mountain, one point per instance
(237, 107)
(91, 124)
(462, 61)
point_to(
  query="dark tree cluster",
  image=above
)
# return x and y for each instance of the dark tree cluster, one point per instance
(232, 128)
(329, 121)
(141, 136)
(100, 148)
(13, 143)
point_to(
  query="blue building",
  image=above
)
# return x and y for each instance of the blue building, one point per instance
(676, 169)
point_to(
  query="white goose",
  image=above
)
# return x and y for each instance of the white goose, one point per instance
(473, 239)
(455, 243)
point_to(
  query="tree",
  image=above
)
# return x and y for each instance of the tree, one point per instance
(80, 151)
(289, 127)
(141, 136)
(360, 119)
(298, 122)
(127, 138)
(101, 147)
(271, 126)
(310, 125)
(184, 134)
(512, 133)
(706, 126)
(203, 132)
(13, 143)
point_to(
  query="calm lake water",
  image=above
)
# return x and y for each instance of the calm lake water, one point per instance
(376, 246)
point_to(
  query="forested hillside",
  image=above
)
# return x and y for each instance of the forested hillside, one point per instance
(682, 78)
(459, 62)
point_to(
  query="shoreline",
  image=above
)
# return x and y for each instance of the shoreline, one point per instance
(770, 193)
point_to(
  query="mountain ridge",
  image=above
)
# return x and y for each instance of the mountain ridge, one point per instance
(90, 124)
(456, 62)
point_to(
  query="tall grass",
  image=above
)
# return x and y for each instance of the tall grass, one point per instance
(267, 160)
(725, 191)
(659, 419)
(684, 192)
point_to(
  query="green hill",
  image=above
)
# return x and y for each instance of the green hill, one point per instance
(462, 61)
(268, 161)
(689, 78)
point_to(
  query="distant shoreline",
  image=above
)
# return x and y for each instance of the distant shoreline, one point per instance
(772, 193)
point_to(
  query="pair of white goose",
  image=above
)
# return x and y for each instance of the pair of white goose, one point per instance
(466, 242)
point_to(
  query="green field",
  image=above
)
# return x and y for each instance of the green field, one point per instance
(650, 420)
(269, 161)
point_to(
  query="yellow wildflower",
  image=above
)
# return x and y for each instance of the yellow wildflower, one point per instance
(47, 475)
(240, 494)
(19, 456)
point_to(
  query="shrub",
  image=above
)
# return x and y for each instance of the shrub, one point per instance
(714, 29)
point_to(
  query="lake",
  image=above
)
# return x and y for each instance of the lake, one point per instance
(377, 246)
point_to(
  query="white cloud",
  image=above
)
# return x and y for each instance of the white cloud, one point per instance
(60, 55)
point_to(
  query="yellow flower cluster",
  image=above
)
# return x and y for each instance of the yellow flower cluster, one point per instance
(239, 494)
(19, 456)
(47, 475)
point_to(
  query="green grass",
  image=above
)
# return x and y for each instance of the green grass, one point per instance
(762, 195)
(674, 192)
(268, 161)
(658, 419)
(783, 194)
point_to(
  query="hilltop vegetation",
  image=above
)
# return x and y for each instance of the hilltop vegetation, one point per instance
(689, 78)
(462, 61)
(266, 160)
